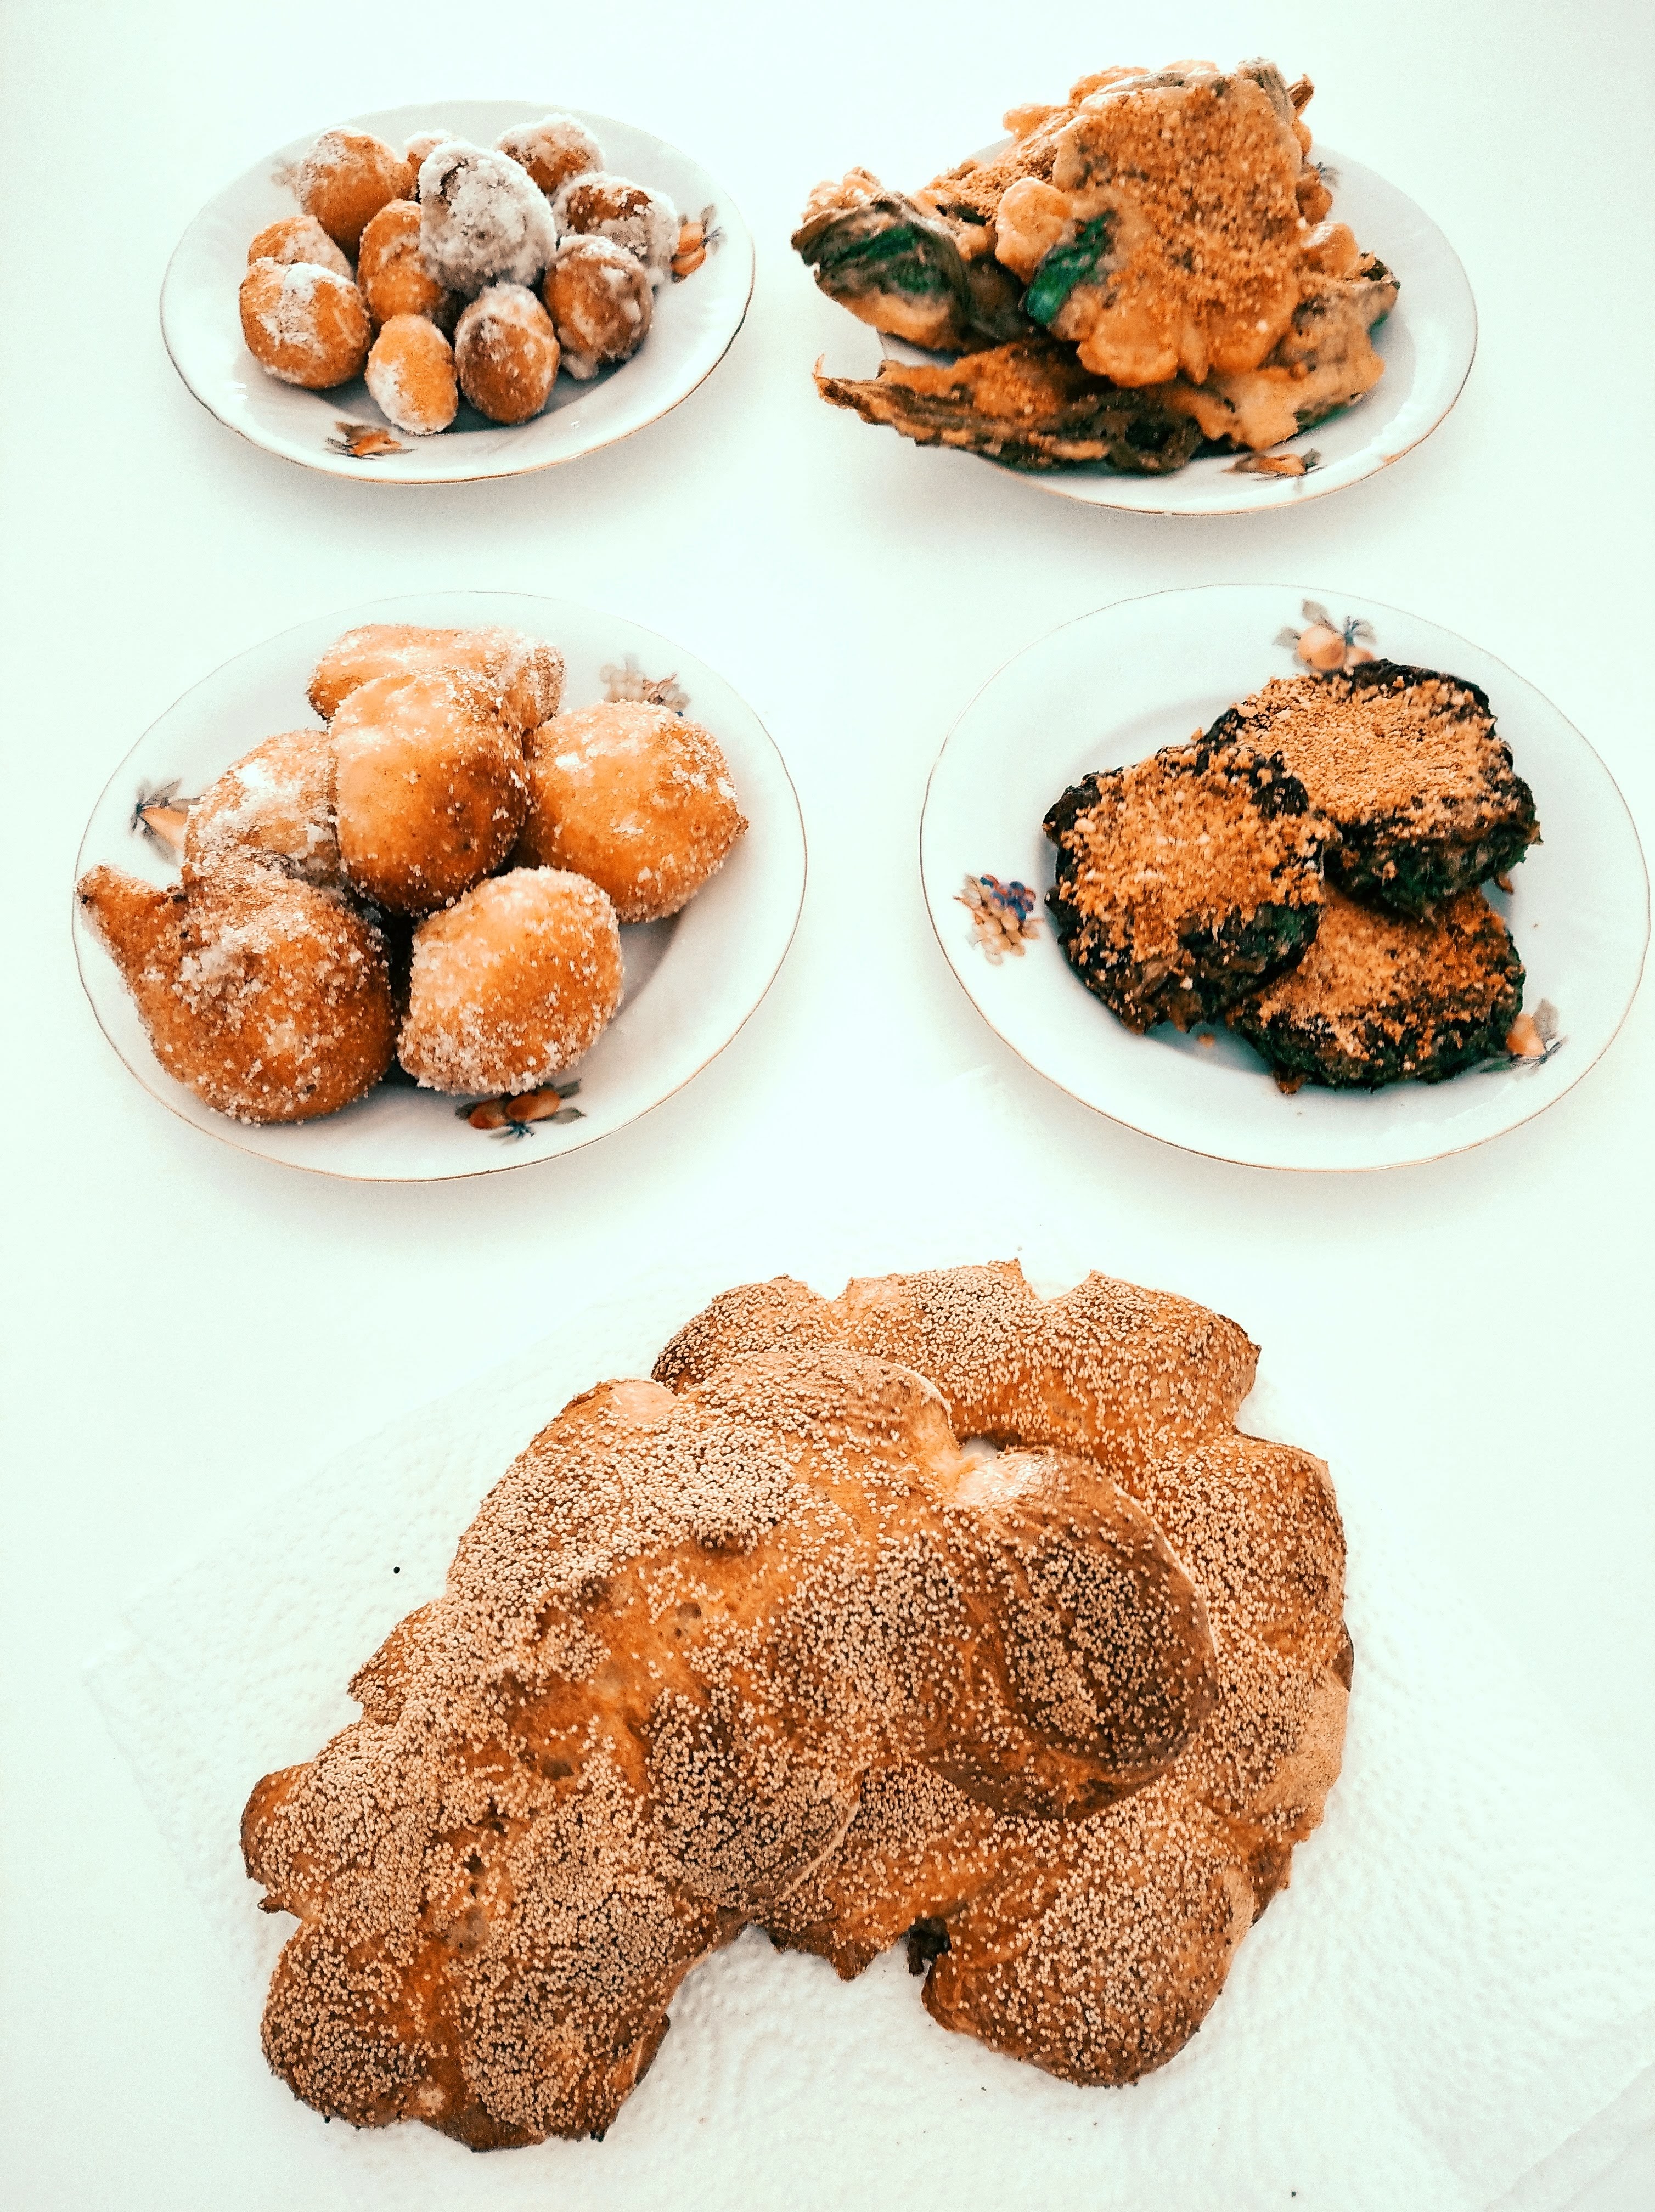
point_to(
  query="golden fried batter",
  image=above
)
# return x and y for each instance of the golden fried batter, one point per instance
(429, 787)
(685, 1634)
(267, 998)
(275, 805)
(524, 674)
(636, 797)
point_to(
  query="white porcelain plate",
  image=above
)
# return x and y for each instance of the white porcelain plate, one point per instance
(695, 321)
(692, 981)
(1427, 342)
(1117, 684)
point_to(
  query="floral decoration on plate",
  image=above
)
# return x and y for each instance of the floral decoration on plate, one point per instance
(1328, 646)
(1003, 918)
(515, 1117)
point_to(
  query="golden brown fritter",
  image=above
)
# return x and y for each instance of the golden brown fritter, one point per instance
(681, 1638)
(525, 674)
(512, 984)
(429, 787)
(274, 805)
(266, 997)
(634, 797)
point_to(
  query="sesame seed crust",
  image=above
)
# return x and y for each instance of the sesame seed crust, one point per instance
(687, 1635)
(1093, 1948)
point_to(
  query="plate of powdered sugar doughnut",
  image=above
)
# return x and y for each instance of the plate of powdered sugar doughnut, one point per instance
(459, 289)
(438, 886)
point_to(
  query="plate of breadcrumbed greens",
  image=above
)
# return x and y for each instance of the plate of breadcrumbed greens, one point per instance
(1284, 878)
(1156, 294)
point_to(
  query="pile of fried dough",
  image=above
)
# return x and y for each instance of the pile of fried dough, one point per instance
(1146, 265)
(760, 1641)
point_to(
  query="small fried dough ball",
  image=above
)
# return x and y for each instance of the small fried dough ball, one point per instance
(552, 151)
(482, 219)
(506, 352)
(298, 238)
(428, 788)
(634, 797)
(267, 998)
(304, 324)
(600, 205)
(274, 806)
(598, 297)
(425, 142)
(345, 180)
(524, 674)
(411, 373)
(390, 274)
(511, 985)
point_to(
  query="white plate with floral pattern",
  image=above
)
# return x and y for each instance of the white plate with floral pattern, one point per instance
(691, 981)
(342, 431)
(1117, 685)
(1427, 342)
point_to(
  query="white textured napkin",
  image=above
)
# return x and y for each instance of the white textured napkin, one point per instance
(1452, 2006)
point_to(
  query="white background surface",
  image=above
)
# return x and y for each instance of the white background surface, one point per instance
(189, 1330)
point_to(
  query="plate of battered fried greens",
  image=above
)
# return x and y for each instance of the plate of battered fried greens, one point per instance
(1151, 294)
(1285, 881)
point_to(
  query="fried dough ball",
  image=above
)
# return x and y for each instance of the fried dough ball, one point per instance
(600, 205)
(524, 674)
(390, 274)
(482, 218)
(267, 998)
(298, 238)
(422, 144)
(552, 151)
(304, 324)
(506, 352)
(633, 797)
(411, 373)
(345, 180)
(599, 300)
(512, 984)
(275, 806)
(429, 787)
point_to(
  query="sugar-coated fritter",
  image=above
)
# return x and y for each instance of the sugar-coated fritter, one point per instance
(524, 675)
(552, 151)
(507, 354)
(429, 787)
(266, 997)
(1407, 765)
(345, 180)
(390, 276)
(634, 798)
(411, 373)
(512, 984)
(1388, 998)
(645, 222)
(304, 324)
(482, 221)
(298, 238)
(601, 302)
(1185, 880)
(273, 806)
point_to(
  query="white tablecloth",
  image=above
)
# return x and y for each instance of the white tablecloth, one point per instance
(187, 1329)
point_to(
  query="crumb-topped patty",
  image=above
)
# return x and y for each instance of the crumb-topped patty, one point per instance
(1185, 880)
(1407, 765)
(1388, 998)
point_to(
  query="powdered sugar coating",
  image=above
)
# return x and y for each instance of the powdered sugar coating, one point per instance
(297, 238)
(506, 352)
(512, 984)
(345, 179)
(552, 151)
(482, 220)
(600, 301)
(411, 373)
(303, 322)
(275, 806)
(601, 205)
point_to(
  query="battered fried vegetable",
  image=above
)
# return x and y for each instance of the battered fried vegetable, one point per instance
(1407, 765)
(1185, 880)
(907, 270)
(1030, 405)
(1382, 998)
